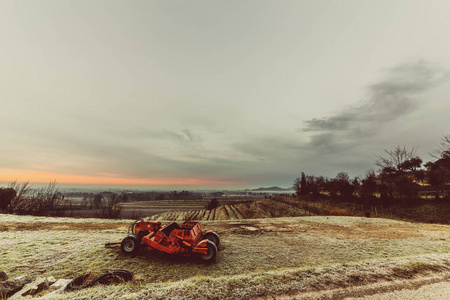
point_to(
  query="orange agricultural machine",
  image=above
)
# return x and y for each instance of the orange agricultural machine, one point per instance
(187, 239)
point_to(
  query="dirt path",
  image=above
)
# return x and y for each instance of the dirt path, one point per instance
(435, 291)
(434, 287)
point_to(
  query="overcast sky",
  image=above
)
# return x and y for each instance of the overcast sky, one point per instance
(217, 94)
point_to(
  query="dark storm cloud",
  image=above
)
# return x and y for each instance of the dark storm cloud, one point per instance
(396, 95)
(387, 100)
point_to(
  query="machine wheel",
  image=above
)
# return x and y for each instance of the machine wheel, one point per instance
(212, 252)
(130, 245)
(213, 237)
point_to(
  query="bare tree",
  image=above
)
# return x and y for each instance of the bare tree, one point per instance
(213, 203)
(45, 201)
(6, 196)
(398, 172)
(439, 171)
(399, 159)
(315, 184)
(84, 201)
(110, 207)
(369, 188)
(303, 185)
(297, 186)
(97, 201)
(22, 190)
(443, 150)
(344, 185)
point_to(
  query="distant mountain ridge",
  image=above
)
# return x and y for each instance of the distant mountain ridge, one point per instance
(272, 188)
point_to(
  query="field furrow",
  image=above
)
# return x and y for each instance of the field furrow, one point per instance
(236, 211)
(230, 212)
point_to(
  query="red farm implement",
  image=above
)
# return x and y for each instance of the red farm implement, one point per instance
(186, 239)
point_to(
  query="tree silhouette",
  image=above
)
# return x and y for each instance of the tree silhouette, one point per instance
(398, 172)
(6, 196)
(439, 171)
(303, 185)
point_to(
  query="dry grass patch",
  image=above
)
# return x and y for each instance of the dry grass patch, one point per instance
(274, 283)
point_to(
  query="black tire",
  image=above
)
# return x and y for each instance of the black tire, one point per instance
(130, 245)
(212, 252)
(77, 283)
(3, 276)
(112, 276)
(213, 237)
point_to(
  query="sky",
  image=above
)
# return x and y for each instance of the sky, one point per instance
(217, 94)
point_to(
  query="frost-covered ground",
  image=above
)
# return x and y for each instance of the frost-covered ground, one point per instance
(257, 258)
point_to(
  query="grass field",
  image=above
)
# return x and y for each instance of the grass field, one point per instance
(257, 257)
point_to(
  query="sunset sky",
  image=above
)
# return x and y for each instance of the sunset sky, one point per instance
(217, 94)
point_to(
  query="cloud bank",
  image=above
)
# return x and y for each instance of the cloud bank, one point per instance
(392, 97)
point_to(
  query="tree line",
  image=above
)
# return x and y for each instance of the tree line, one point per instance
(400, 176)
(21, 199)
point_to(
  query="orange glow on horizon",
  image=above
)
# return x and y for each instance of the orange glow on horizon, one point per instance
(8, 175)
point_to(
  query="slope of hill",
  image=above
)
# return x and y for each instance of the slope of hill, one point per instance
(257, 258)
(264, 208)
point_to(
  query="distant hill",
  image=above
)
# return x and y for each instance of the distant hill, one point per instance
(272, 188)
